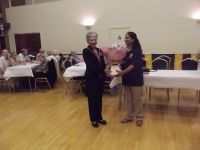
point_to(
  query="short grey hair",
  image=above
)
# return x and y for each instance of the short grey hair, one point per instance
(91, 34)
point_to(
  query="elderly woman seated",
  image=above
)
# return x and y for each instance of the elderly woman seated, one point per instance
(42, 69)
(74, 58)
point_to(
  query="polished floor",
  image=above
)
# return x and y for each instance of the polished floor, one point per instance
(52, 120)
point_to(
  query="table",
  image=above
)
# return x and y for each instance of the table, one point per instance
(77, 70)
(189, 79)
(155, 78)
(173, 79)
(169, 79)
(20, 71)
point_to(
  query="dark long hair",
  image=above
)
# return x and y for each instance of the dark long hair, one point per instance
(136, 43)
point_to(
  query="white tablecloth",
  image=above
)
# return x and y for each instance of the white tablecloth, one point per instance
(161, 78)
(77, 70)
(173, 79)
(169, 79)
(20, 71)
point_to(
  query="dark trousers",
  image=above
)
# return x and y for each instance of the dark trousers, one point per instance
(94, 94)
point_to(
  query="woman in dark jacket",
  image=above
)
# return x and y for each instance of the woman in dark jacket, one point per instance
(95, 76)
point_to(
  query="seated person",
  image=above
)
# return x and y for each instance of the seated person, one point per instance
(5, 62)
(56, 54)
(74, 58)
(42, 69)
(23, 57)
(42, 52)
(53, 55)
(13, 55)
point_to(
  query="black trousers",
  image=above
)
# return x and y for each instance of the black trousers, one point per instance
(94, 92)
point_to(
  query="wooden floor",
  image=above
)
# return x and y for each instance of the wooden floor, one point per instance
(51, 120)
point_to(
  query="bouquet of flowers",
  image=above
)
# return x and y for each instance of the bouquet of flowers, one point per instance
(114, 54)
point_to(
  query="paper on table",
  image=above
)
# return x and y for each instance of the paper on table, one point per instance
(113, 69)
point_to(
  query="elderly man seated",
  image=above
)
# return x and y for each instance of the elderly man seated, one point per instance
(5, 62)
(23, 57)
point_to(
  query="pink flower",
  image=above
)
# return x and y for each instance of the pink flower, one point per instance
(114, 55)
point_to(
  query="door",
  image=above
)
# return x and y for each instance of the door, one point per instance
(30, 41)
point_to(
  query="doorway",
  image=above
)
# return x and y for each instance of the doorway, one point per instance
(30, 41)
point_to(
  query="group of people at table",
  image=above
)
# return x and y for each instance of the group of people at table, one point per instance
(8, 59)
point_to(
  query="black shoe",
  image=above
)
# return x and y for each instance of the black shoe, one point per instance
(103, 122)
(95, 124)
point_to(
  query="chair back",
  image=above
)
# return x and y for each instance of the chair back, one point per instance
(61, 61)
(74, 62)
(52, 74)
(67, 64)
(189, 64)
(166, 58)
(160, 63)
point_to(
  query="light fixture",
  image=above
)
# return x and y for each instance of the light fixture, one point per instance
(196, 16)
(88, 22)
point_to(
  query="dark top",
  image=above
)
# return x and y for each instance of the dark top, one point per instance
(43, 67)
(94, 67)
(135, 76)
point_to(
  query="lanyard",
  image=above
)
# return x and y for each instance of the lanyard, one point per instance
(96, 54)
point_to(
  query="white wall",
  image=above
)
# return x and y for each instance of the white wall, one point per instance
(163, 26)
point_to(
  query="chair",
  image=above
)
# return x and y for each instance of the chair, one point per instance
(145, 69)
(52, 74)
(188, 64)
(42, 80)
(75, 81)
(50, 77)
(61, 61)
(5, 82)
(166, 58)
(162, 64)
(67, 63)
